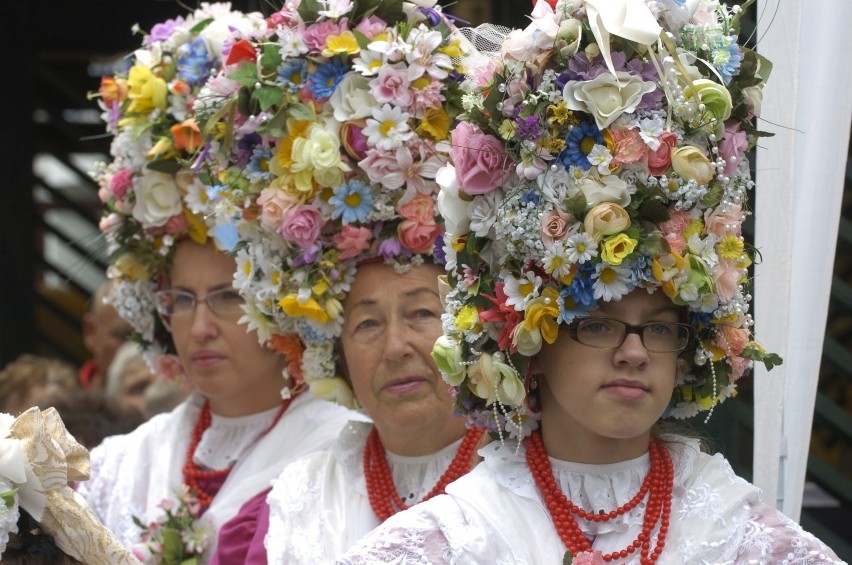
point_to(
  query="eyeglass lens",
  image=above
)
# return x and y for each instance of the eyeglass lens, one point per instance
(659, 337)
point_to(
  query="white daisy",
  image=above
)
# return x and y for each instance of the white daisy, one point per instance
(368, 62)
(611, 282)
(581, 248)
(520, 291)
(557, 261)
(388, 128)
(244, 273)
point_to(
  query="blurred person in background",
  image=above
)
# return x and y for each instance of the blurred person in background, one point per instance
(29, 379)
(103, 333)
(128, 378)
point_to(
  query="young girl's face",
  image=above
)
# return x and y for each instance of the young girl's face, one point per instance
(609, 398)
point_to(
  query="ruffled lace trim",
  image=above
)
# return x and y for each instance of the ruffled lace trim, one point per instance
(414, 477)
(227, 439)
(592, 487)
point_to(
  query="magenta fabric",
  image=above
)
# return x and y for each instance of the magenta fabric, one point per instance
(241, 537)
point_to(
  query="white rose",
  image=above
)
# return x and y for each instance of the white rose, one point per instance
(450, 206)
(157, 199)
(352, 99)
(754, 98)
(604, 99)
(609, 189)
(569, 36)
(221, 28)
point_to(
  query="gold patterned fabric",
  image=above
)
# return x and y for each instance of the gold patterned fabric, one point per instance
(56, 458)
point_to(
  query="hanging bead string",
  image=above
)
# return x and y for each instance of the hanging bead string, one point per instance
(381, 489)
(193, 474)
(657, 485)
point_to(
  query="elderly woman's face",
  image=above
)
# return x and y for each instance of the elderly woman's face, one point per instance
(391, 323)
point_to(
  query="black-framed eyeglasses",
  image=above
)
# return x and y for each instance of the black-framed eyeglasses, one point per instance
(608, 333)
(225, 303)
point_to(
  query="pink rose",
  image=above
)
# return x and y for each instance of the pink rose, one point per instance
(391, 86)
(168, 367)
(588, 558)
(382, 168)
(351, 241)
(421, 209)
(629, 146)
(480, 160)
(659, 160)
(419, 237)
(274, 205)
(734, 338)
(732, 146)
(739, 366)
(372, 26)
(316, 34)
(302, 226)
(676, 242)
(721, 224)
(726, 279)
(120, 182)
(555, 226)
(353, 140)
(176, 224)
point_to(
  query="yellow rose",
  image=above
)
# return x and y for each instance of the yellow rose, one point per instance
(541, 314)
(332, 389)
(692, 164)
(715, 98)
(309, 308)
(606, 219)
(616, 248)
(132, 268)
(146, 91)
(447, 356)
(482, 379)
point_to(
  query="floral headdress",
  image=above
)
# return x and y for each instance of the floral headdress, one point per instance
(327, 130)
(598, 156)
(151, 198)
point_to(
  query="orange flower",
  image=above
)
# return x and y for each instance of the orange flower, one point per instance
(290, 347)
(186, 135)
(113, 90)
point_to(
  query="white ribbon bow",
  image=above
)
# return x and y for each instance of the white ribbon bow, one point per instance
(630, 19)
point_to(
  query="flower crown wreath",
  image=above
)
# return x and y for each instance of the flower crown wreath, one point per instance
(600, 155)
(327, 129)
(151, 198)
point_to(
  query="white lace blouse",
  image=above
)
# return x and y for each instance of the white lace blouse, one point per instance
(496, 515)
(318, 507)
(131, 474)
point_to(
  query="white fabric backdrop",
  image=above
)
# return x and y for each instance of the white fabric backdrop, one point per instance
(800, 174)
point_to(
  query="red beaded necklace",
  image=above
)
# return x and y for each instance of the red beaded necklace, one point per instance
(657, 486)
(380, 487)
(193, 474)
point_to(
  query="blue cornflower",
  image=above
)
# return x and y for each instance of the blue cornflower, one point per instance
(578, 143)
(195, 63)
(700, 319)
(569, 308)
(326, 78)
(353, 201)
(640, 270)
(293, 74)
(258, 165)
(727, 59)
(530, 196)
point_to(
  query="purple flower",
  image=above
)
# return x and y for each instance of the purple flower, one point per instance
(161, 32)
(528, 128)
(389, 248)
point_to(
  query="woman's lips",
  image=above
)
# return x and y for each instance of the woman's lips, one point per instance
(403, 385)
(623, 388)
(207, 359)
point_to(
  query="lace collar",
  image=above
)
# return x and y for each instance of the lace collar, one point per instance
(227, 439)
(592, 487)
(414, 477)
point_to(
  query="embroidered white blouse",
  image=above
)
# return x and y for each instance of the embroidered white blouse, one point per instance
(496, 515)
(319, 507)
(132, 473)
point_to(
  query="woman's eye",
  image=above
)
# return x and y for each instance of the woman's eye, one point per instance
(596, 327)
(659, 329)
(425, 313)
(366, 324)
(231, 296)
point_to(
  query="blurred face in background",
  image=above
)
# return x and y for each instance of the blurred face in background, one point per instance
(104, 331)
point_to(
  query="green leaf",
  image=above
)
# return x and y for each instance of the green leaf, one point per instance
(568, 559)
(769, 360)
(271, 58)
(268, 96)
(168, 166)
(246, 75)
(309, 10)
(653, 211)
(199, 27)
(9, 497)
(576, 205)
(301, 112)
(173, 553)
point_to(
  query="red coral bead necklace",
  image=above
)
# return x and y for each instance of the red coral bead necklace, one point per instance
(657, 486)
(381, 489)
(193, 475)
